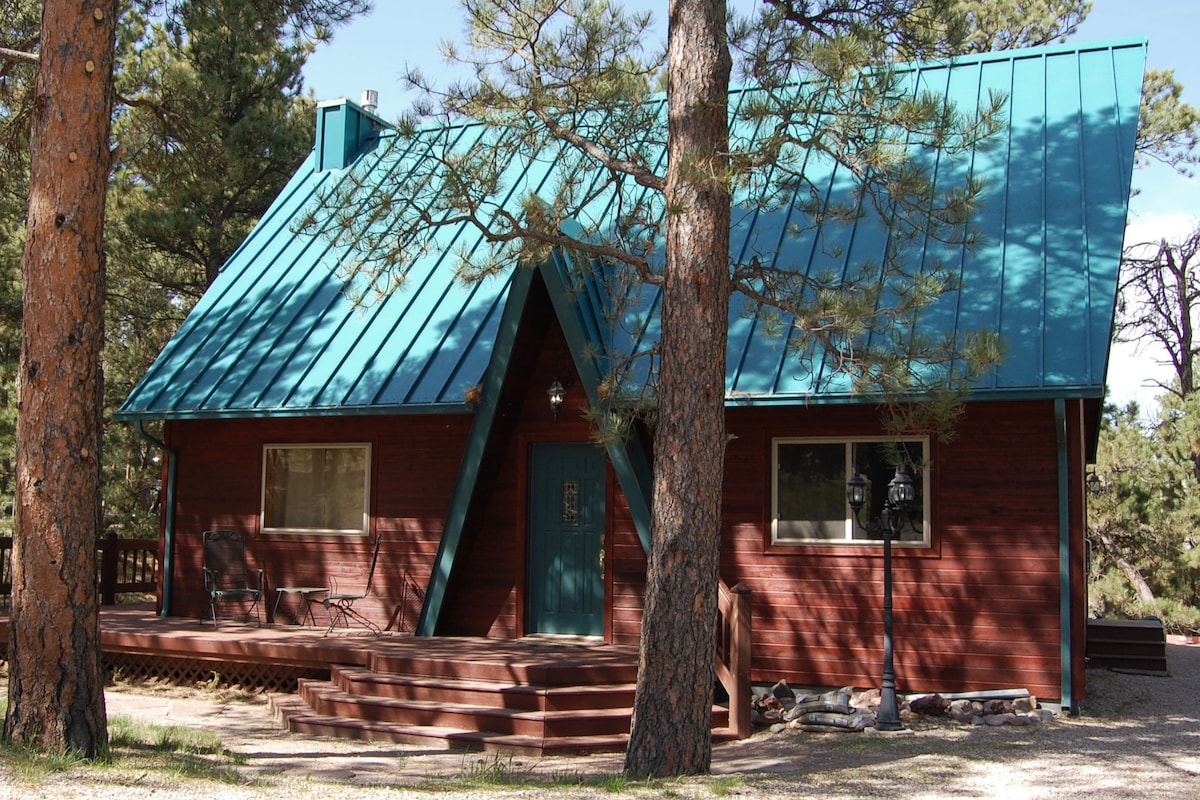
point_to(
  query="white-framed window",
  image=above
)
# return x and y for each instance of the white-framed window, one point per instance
(809, 489)
(316, 488)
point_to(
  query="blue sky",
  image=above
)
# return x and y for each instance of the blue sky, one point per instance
(372, 52)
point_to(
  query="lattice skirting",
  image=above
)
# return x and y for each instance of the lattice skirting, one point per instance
(195, 672)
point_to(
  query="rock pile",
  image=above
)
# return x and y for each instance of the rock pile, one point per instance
(781, 708)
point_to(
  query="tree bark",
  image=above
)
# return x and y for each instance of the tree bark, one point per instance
(1145, 595)
(672, 717)
(56, 690)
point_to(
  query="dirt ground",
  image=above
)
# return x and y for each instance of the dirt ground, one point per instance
(1137, 736)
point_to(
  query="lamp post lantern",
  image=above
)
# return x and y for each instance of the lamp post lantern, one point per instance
(900, 496)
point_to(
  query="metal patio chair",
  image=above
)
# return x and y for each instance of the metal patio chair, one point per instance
(340, 604)
(226, 574)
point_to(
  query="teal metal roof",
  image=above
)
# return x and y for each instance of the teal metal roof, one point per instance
(277, 334)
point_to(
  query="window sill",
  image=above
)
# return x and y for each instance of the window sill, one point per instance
(850, 549)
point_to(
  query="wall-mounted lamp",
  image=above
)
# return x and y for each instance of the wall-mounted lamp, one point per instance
(557, 393)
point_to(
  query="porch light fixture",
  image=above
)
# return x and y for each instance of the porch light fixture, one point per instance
(896, 509)
(557, 394)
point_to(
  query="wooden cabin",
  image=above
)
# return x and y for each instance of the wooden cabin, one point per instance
(316, 426)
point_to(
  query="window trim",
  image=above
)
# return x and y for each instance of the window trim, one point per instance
(364, 531)
(848, 540)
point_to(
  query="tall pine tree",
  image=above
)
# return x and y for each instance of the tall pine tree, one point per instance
(55, 685)
(571, 80)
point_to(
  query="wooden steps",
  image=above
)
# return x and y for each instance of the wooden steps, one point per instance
(300, 718)
(1133, 645)
(501, 703)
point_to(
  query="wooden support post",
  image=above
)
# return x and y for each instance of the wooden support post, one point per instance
(108, 569)
(739, 661)
(734, 643)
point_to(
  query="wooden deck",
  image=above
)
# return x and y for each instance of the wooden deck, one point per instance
(532, 695)
(136, 630)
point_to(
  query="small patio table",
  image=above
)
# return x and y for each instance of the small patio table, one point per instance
(306, 597)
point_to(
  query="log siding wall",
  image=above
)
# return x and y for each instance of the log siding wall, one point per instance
(414, 465)
(979, 609)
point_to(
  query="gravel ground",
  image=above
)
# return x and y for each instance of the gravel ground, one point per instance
(1137, 736)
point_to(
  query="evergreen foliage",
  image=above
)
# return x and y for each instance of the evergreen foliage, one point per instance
(19, 22)
(1143, 514)
(214, 122)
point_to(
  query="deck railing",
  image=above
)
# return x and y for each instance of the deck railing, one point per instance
(733, 653)
(122, 566)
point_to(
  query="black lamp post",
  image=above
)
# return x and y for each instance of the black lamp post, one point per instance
(900, 497)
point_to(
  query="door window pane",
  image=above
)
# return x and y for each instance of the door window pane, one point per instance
(570, 502)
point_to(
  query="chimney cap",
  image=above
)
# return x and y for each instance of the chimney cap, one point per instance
(370, 100)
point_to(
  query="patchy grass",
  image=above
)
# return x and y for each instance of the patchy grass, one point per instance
(172, 749)
(723, 785)
(170, 752)
(33, 766)
(481, 773)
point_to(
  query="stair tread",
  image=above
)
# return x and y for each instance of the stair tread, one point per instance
(478, 684)
(295, 710)
(331, 692)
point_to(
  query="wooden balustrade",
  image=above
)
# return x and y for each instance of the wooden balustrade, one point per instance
(733, 653)
(122, 565)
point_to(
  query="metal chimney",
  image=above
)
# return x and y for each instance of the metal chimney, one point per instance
(370, 100)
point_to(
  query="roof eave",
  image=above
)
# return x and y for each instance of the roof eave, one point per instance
(275, 413)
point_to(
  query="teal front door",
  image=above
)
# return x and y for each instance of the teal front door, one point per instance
(565, 582)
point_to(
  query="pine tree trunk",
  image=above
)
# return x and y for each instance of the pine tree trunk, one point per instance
(1141, 589)
(672, 720)
(56, 690)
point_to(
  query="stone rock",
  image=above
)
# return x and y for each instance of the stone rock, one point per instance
(996, 707)
(781, 708)
(866, 699)
(963, 711)
(1023, 705)
(782, 691)
(932, 705)
(768, 702)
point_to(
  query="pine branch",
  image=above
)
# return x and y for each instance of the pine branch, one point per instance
(8, 54)
(643, 176)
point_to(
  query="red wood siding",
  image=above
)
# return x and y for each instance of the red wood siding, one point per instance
(486, 590)
(977, 610)
(414, 463)
(414, 466)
